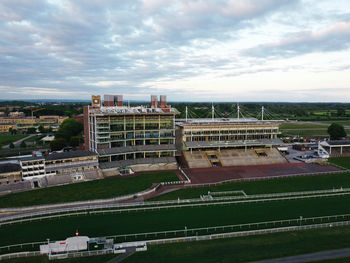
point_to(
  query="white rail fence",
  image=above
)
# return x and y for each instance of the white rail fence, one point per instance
(158, 205)
(185, 239)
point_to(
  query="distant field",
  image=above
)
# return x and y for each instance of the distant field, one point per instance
(306, 129)
(8, 138)
(246, 249)
(284, 126)
(98, 189)
(345, 123)
(276, 185)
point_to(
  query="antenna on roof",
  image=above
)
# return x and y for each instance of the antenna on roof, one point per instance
(212, 111)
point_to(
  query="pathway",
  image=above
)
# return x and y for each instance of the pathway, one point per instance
(330, 254)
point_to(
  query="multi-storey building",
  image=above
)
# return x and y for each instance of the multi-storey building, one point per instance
(57, 164)
(130, 136)
(224, 132)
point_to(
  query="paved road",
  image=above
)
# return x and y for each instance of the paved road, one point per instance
(121, 257)
(17, 143)
(330, 254)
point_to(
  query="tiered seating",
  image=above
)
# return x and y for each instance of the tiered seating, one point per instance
(197, 159)
(235, 157)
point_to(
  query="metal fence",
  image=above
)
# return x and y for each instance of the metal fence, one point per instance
(237, 227)
(260, 178)
(198, 234)
(158, 205)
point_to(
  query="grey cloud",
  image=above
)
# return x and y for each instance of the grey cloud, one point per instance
(333, 38)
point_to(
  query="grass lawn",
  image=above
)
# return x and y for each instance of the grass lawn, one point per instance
(277, 185)
(6, 138)
(341, 161)
(98, 189)
(171, 219)
(345, 123)
(242, 249)
(300, 126)
(34, 138)
(44, 259)
(305, 133)
(246, 249)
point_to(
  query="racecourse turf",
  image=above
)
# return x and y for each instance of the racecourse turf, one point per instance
(97, 189)
(172, 219)
(274, 185)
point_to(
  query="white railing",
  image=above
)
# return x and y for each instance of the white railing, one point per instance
(157, 205)
(299, 225)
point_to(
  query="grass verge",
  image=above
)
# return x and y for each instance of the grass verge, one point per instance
(98, 189)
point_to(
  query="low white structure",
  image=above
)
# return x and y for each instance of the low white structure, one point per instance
(77, 243)
(335, 148)
(123, 247)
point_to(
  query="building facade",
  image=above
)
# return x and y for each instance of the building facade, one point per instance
(118, 133)
(224, 132)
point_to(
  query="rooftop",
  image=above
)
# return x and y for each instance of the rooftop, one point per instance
(9, 167)
(183, 122)
(132, 110)
(66, 155)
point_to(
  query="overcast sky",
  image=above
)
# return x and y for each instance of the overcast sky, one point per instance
(190, 50)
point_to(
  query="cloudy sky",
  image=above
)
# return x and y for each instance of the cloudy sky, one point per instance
(190, 50)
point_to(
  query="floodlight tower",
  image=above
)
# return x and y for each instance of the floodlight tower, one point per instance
(238, 111)
(262, 113)
(186, 113)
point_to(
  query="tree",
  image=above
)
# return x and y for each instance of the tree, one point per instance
(68, 129)
(23, 145)
(12, 145)
(341, 112)
(75, 141)
(31, 130)
(336, 131)
(42, 129)
(57, 144)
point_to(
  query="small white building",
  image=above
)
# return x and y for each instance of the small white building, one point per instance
(77, 243)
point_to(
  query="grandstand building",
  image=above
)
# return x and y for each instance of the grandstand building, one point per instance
(228, 141)
(75, 165)
(142, 138)
(10, 173)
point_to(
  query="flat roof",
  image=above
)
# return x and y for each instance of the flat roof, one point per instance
(200, 121)
(9, 167)
(149, 161)
(338, 143)
(132, 110)
(66, 155)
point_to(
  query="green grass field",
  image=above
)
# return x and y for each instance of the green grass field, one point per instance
(307, 129)
(231, 250)
(345, 123)
(172, 219)
(341, 161)
(6, 138)
(300, 126)
(277, 185)
(246, 249)
(98, 189)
